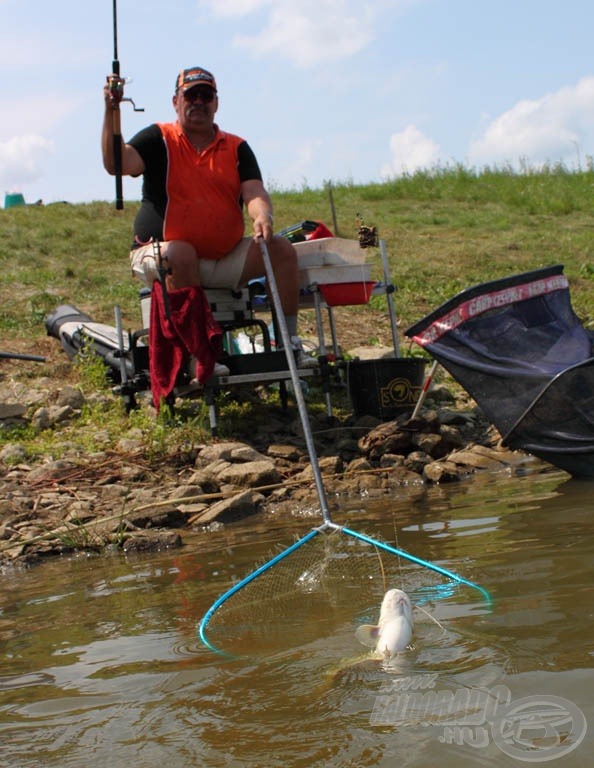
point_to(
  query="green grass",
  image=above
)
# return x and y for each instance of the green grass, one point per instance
(450, 229)
(445, 230)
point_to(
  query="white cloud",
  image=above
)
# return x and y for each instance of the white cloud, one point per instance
(235, 8)
(410, 151)
(22, 160)
(309, 32)
(302, 165)
(23, 154)
(551, 129)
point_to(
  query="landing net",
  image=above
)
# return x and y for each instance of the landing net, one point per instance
(304, 592)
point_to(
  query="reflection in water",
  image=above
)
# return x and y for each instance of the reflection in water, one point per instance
(100, 662)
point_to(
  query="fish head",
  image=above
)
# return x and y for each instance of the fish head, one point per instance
(395, 604)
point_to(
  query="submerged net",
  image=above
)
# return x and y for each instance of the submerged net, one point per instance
(328, 580)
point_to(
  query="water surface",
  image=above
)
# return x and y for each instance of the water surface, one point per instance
(100, 663)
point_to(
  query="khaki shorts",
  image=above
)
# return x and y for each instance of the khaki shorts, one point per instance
(214, 273)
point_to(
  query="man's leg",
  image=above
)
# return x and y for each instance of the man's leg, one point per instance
(284, 265)
(179, 259)
(283, 258)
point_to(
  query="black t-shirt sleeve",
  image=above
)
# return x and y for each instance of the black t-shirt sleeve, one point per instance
(150, 145)
(247, 165)
(147, 141)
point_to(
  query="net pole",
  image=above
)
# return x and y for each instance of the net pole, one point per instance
(282, 324)
(389, 297)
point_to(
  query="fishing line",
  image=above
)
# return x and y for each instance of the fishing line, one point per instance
(312, 570)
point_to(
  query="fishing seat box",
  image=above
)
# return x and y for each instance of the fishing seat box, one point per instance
(331, 260)
(228, 307)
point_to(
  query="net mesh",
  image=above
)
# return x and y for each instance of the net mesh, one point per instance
(329, 580)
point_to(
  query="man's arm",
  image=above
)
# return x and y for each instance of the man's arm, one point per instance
(259, 207)
(132, 162)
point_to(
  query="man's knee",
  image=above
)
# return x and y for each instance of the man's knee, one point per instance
(282, 250)
(178, 250)
(181, 260)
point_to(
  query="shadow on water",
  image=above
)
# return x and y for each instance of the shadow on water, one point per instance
(101, 665)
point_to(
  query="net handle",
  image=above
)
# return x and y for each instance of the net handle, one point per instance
(282, 324)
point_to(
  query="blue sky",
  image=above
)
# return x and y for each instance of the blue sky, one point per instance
(339, 90)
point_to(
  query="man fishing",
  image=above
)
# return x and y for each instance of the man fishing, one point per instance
(196, 180)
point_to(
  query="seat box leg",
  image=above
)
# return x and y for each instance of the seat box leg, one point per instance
(209, 399)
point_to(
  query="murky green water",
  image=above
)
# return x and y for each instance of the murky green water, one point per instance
(100, 664)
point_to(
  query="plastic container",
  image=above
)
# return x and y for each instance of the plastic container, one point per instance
(385, 388)
(343, 294)
(331, 260)
(13, 199)
(329, 252)
(330, 275)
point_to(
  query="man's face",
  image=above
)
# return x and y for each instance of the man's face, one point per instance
(196, 107)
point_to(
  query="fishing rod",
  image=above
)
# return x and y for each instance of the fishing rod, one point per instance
(19, 356)
(116, 92)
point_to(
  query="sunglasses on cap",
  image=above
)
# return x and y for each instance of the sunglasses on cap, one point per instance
(203, 92)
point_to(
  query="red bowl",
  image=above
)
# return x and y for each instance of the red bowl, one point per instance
(340, 294)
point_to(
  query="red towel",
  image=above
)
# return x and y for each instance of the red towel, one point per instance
(190, 331)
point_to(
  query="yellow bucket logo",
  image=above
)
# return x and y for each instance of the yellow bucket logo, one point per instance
(398, 392)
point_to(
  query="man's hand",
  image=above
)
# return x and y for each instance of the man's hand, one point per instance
(114, 90)
(263, 226)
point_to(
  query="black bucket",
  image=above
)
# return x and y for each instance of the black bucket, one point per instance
(386, 387)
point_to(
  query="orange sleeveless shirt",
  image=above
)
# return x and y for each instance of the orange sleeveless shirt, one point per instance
(203, 193)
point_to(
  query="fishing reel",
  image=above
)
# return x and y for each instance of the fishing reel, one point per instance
(115, 86)
(367, 235)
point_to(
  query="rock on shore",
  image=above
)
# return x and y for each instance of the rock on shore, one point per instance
(119, 499)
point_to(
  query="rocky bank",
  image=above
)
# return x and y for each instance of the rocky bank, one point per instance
(120, 498)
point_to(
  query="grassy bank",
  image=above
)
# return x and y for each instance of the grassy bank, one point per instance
(445, 231)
